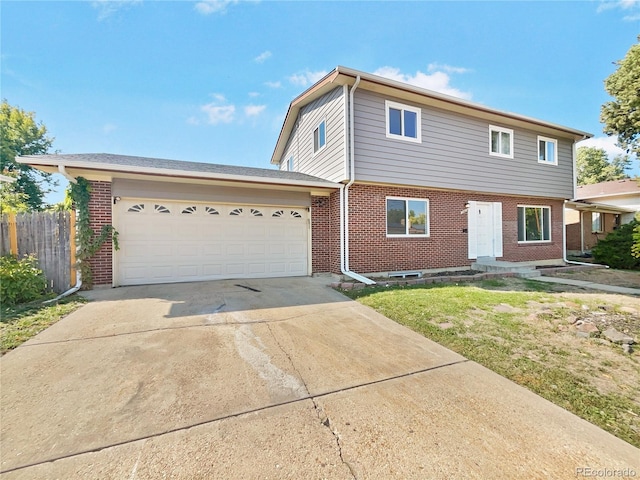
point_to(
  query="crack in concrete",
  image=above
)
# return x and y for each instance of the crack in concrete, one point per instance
(324, 419)
(232, 415)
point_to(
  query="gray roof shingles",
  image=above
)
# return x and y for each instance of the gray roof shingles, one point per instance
(108, 161)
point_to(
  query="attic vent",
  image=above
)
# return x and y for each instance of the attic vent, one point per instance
(136, 208)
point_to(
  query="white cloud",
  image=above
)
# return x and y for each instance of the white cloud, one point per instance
(277, 84)
(631, 7)
(608, 144)
(217, 112)
(254, 110)
(106, 8)
(254, 94)
(437, 81)
(435, 67)
(263, 57)
(207, 7)
(307, 77)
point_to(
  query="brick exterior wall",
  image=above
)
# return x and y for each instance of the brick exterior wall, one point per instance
(325, 235)
(574, 240)
(100, 214)
(447, 246)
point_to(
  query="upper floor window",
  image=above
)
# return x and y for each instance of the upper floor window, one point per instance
(547, 150)
(320, 136)
(290, 164)
(407, 217)
(534, 224)
(501, 141)
(403, 122)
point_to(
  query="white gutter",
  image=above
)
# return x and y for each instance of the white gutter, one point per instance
(564, 243)
(65, 174)
(344, 200)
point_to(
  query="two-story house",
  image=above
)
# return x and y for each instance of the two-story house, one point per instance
(374, 176)
(429, 181)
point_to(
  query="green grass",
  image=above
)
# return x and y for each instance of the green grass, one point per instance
(19, 323)
(507, 344)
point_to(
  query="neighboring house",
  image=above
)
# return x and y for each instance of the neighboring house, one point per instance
(375, 176)
(599, 209)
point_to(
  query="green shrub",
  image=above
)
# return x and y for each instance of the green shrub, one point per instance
(615, 249)
(21, 280)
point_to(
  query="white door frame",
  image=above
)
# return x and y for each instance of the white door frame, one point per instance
(472, 219)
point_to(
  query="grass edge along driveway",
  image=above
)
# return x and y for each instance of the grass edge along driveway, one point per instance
(518, 333)
(19, 323)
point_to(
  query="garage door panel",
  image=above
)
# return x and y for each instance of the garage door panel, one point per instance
(171, 241)
(212, 269)
(188, 271)
(256, 268)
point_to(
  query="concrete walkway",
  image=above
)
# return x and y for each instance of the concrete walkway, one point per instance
(271, 379)
(591, 285)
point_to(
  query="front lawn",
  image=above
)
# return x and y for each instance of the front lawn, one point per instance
(21, 322)
(526, 331)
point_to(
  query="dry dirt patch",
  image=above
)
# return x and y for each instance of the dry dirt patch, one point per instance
(607, 276)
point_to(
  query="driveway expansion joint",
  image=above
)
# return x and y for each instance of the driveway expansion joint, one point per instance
(313, 399)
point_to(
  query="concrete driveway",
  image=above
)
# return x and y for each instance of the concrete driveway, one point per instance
(270, 379)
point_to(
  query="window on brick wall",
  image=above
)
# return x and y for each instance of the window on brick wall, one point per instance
(534, 224)
(407, 217)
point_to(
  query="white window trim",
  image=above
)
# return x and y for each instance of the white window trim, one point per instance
(290, 163)
(528, 242)
(427, 226)
(494, 128)
(313, 137)
(555, 150)
(399, 106)
(593, 230)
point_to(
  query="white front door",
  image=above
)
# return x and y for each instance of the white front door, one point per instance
(485, 229)
(484, 224)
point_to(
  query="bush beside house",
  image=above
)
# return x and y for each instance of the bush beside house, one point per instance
(615, 249)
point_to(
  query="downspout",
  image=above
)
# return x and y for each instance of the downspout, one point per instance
(71, 291)
(344, 200)
(78, 284)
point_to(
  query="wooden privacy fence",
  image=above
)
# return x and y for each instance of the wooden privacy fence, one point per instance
(50, 236)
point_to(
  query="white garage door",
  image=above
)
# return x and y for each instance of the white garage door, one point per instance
(162, 242)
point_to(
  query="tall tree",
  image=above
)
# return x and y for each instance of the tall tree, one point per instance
(593, 166)
(21, 135)
(621, 116)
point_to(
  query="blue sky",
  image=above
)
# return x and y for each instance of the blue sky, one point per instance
(211, 81)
